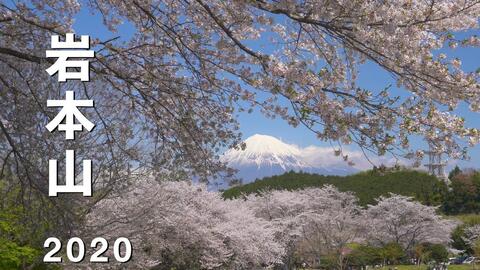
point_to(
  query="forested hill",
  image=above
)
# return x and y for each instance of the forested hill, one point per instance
(366, 185)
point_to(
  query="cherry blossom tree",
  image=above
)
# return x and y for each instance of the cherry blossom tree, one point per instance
(472, 233)
(166, 97)
(337, 221)
(319, 46)
(322, 221)
(188, 62)
(401, 220)
(287, 211)
(181, 225)
(472, 238)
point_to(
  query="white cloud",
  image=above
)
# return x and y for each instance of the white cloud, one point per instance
(324, 157)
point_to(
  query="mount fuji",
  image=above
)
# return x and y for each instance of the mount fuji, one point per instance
(266, 156)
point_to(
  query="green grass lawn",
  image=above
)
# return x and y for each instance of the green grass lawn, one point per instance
(423, 267)
(463, 267)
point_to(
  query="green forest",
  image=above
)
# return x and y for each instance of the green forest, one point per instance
(462, 196)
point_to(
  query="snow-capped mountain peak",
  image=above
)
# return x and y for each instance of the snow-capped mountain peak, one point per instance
(264, 144)
(266, 156)
(264, 150)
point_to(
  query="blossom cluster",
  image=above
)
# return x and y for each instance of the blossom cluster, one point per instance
(180, 224)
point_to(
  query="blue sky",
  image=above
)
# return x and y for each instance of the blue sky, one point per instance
(371, 77)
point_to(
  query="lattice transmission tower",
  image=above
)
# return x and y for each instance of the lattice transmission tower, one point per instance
(436, 166)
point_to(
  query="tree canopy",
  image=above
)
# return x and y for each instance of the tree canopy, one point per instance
(190, 65)
(367, 185)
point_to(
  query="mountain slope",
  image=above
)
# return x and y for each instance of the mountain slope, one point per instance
(266, 156)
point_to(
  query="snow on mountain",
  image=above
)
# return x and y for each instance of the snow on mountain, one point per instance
(264, 150)
(266, 156)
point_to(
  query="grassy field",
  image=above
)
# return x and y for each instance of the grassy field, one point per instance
(463, 267)
(424, 267)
